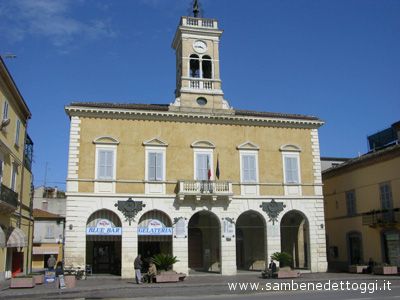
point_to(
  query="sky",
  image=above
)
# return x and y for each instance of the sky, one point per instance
(335, 59)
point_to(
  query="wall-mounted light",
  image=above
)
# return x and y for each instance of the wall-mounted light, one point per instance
(322, 226)
(71, 226)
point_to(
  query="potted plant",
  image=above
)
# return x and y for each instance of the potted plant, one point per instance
(39, 277)
(164, 262)
(24, 281)
(284, 258)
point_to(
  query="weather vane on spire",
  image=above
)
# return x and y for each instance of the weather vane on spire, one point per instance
(196, 9)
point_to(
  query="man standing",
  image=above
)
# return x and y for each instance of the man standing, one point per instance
(51, 262)
(138, 267)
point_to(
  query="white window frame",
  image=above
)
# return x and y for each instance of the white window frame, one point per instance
(17, 132)
(160, 150)
(155, 145)
(14, 177)
(5, 109)
(249, 188)
(292, 188)
(1, 167)
(155, 186)
(105, 185)
(210, 153)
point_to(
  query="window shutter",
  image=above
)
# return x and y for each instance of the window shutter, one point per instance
(105, 164)
(245, 163)
(252, 168)
(152, 166)
(291, 170)
(110, 164)
(249, 168)
(201, 167)
(159, 166)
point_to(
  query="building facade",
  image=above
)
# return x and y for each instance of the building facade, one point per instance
(16, 179)
(362, 205)
(48, 238)
(49, 205)
(221, 189)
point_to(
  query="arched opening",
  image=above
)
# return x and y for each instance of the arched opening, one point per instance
(295, 238)
(204, 242)
(250, 241)
(207, 66)
(154, 235)
(194, 65)
(103, 242)
(354, 248)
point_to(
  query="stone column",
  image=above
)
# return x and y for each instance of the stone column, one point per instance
(273, 238)
(180, 250)
(129, 249)
(228, 256)
(75, 241)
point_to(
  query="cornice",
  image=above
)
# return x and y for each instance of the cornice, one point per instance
(118, 113)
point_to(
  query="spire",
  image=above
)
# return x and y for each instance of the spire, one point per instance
(196, 9)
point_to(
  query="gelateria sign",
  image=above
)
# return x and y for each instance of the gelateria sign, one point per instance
(155, 227)
(104, 227)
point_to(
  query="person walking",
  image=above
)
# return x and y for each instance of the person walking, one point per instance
(51, 262)
(138, 269)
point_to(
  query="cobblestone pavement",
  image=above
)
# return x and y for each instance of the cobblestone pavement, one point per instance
(207, 284)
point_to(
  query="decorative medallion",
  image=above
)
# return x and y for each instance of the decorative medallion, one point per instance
(130, 208)
(273, 209)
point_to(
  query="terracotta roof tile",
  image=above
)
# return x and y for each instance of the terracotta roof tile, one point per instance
(42, 214)
(165, 107)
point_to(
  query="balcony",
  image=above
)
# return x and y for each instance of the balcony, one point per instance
(204, 189)
(199, 22)
(199, 84)
(8, 199)
(381, 218)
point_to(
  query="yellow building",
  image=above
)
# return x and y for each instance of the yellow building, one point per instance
(16, 179)
(222, 189)
(362, 205)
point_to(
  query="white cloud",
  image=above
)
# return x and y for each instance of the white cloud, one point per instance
(50, 19)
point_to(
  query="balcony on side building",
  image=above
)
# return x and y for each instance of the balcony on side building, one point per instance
(8, 199)
(204, 189)
(381, 218)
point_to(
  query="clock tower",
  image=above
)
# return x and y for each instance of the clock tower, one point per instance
(198, 82)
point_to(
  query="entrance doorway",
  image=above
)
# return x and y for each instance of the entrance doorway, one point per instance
(154, 236)
(204, 242)
(103, 242)
(295, 238)
(250, 241)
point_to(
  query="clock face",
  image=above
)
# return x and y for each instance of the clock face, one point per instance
(200, 46)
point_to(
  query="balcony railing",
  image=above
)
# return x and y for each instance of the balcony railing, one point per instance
(201, 84)
(8, 198)
(381, 218)
(199, 22)
(202, 189)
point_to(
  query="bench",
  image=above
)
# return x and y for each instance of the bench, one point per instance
(170, 277)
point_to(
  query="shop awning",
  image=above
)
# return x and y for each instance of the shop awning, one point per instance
(17, 238)
(2, 238)
(44, 250)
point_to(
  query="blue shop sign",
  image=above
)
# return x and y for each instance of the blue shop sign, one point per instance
(104, 227)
